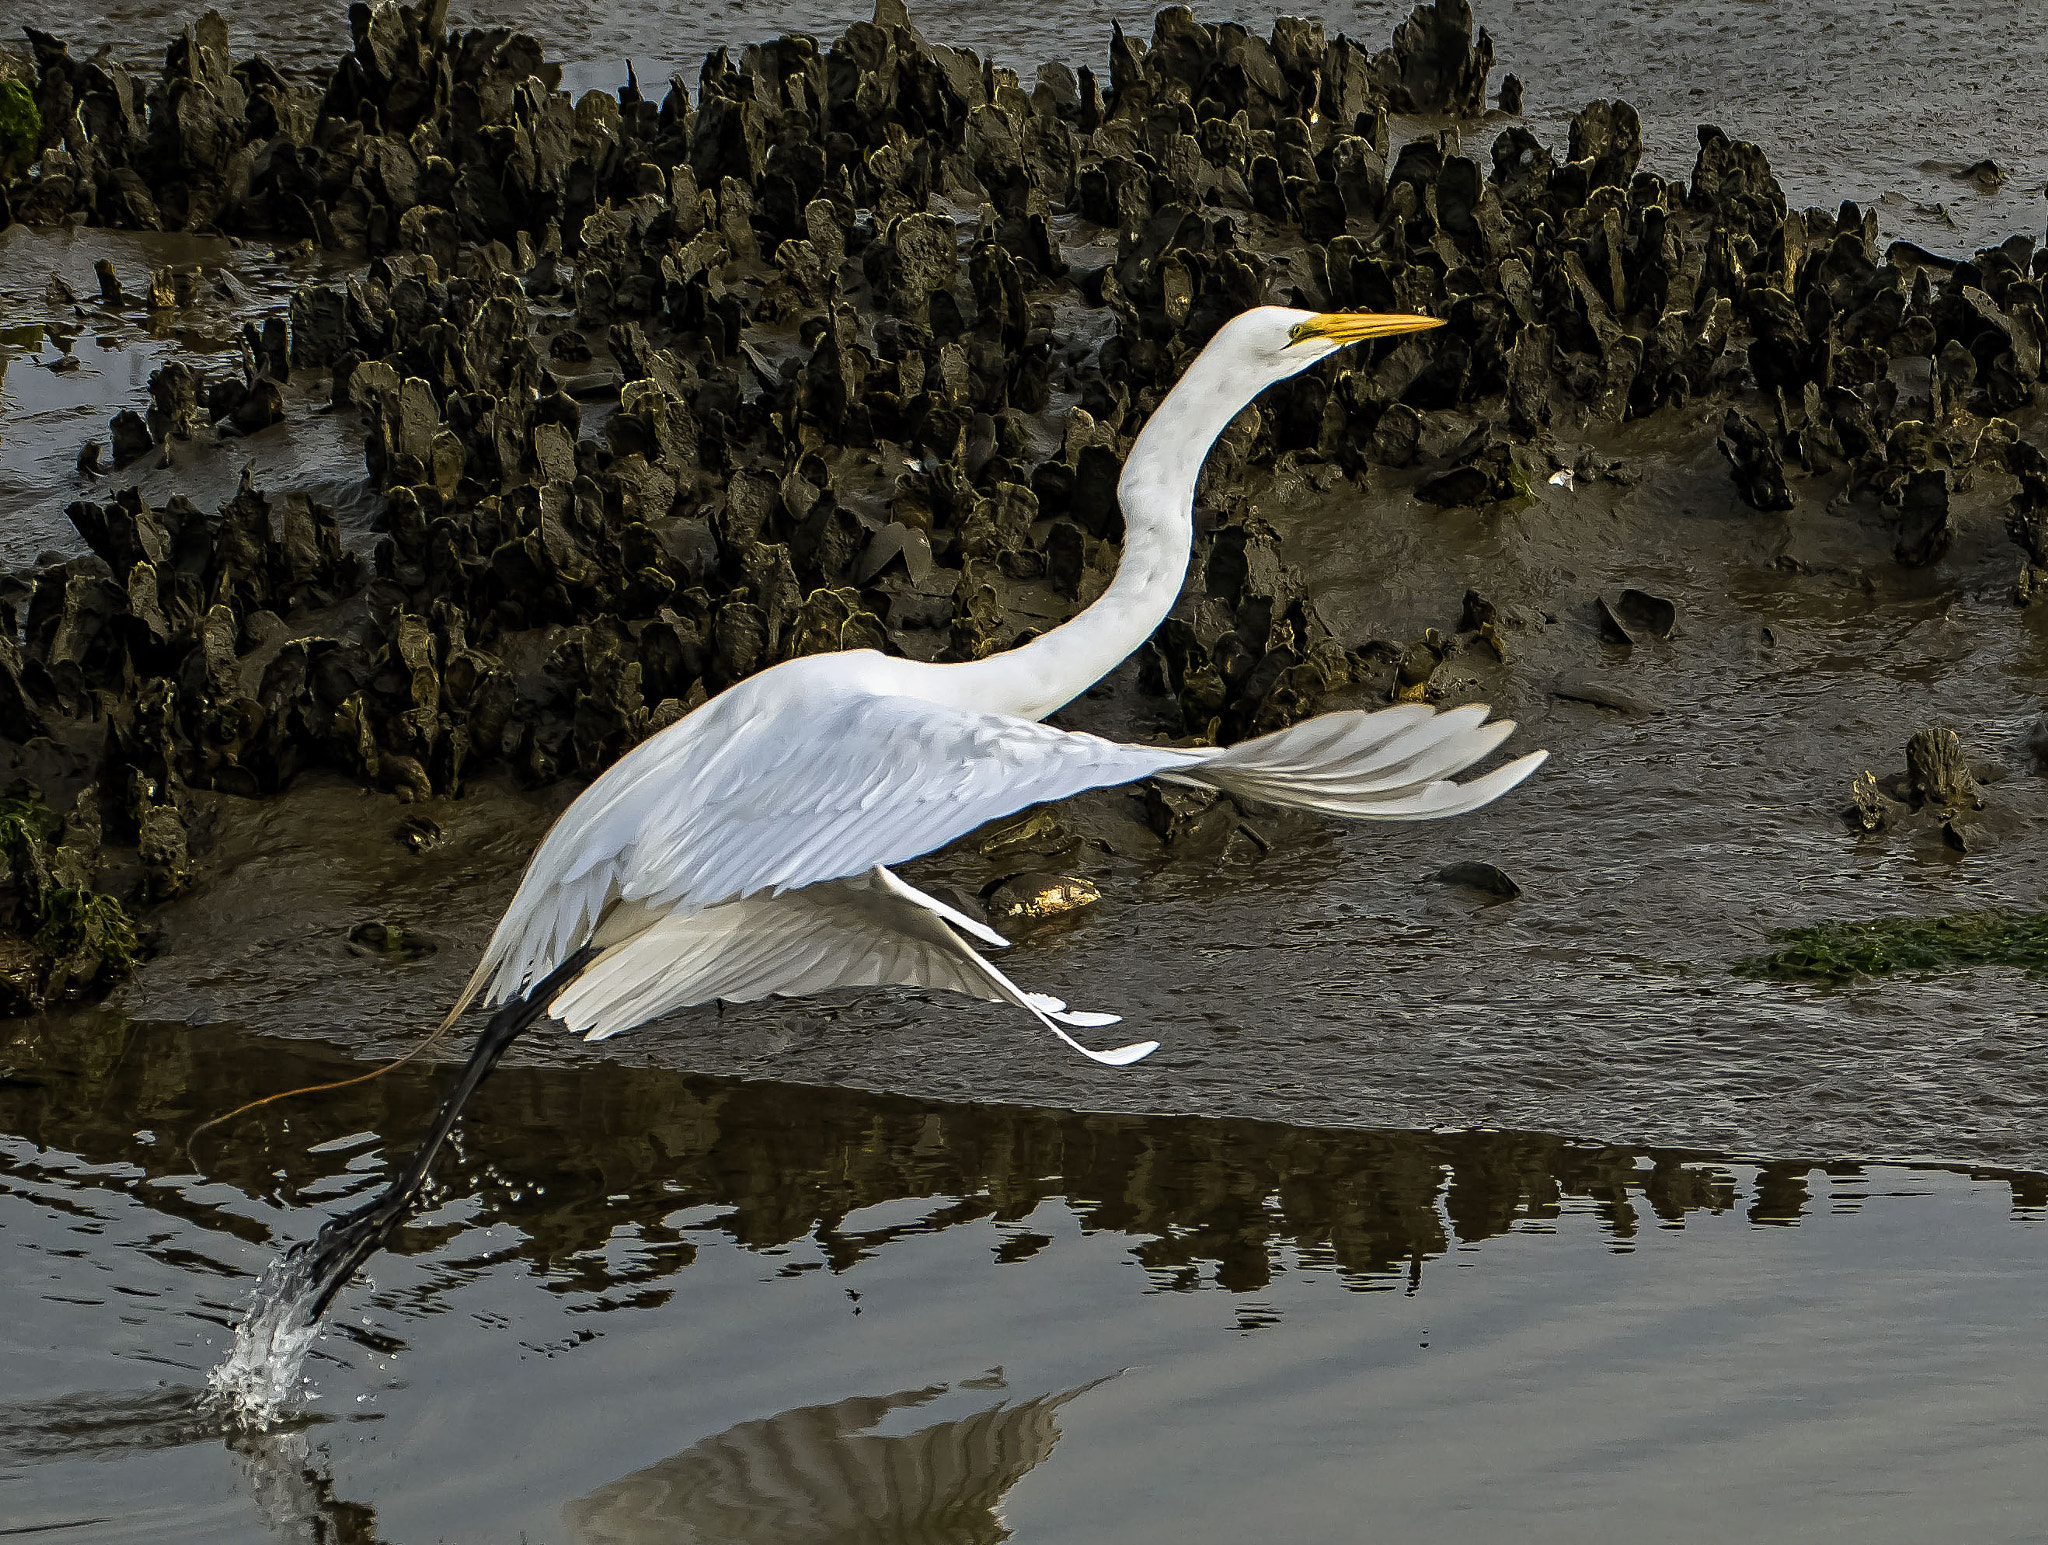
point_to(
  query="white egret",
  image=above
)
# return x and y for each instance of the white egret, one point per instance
(745, 850)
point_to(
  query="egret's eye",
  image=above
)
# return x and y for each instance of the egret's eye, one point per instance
(1296, 333)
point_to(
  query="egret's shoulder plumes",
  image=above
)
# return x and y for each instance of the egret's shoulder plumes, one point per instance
(745, 850)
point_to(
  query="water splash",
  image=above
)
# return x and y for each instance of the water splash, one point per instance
(260, 1375)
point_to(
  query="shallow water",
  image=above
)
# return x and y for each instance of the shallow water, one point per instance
(49, 410)
(656, 1306)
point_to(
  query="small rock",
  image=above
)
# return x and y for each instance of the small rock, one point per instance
(1938, 773)
(1637, 614)
(892, 543)
(1459, 486)
(1036, 894)
(1177, 813)
(1417, 664)
(130, 436)
(2036, 740)
(111, 293)
(1583, 689)
(418, 833)
(1870, 810)
(164, 851)
(391, 943)
(1612, 628)
(1756, 463)
(1964, 836)
(1036, 831)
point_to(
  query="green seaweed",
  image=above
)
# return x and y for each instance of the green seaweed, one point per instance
(83, 936)
(21, 129)
(25, 821)
(1840, 952)
(88, 926)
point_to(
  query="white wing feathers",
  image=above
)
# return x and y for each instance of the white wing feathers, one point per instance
(699, 864)
(780, 795)
(871, 930)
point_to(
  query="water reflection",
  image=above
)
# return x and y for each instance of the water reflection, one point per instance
(821, 1474)
(609, 1172)
(291, 1483)
(282, 1472)
(589, 1189)
(104, 1426)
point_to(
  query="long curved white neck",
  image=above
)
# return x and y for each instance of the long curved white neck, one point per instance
(1157, 492)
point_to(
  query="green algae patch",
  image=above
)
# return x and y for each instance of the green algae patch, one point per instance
(21, 128)
(1840, 952)
(59, 937)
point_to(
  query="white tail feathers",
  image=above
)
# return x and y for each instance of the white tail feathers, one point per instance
(1392, 765)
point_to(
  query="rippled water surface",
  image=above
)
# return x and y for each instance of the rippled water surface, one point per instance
(656, 1306)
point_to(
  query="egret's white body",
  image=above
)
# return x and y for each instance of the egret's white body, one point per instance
(744, 850)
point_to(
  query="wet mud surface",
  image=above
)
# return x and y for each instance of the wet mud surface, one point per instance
(1472, 1189)
(53, 408)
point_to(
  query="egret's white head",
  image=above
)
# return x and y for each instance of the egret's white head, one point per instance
(1271, 343)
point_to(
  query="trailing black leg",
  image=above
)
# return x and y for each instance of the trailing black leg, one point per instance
(337, 1252)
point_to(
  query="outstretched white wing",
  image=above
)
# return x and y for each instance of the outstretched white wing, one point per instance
(871, 930)
(767, 792)
(796, 777)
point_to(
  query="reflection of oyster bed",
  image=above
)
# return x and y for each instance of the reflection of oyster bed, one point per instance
(780, 1163)
(817, 1476)
(591, 1227)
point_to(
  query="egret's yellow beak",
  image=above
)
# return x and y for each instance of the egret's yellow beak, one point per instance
(1342, 327)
